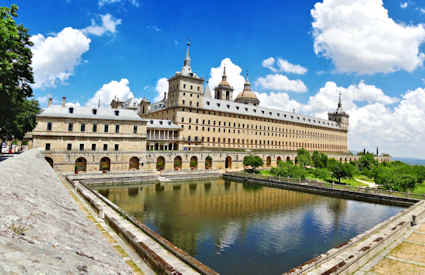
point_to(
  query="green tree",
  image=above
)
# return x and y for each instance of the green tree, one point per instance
(319, 160)
(303, 157)
(253, 161)
(366, 162)
(16, 77)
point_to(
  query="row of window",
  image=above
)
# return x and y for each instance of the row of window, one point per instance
(81, 147)
(94, 127)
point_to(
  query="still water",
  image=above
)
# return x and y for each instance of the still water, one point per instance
(240, 228)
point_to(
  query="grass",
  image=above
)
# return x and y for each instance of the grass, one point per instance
(419, 189)
(363, 177)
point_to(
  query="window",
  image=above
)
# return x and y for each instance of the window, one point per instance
(47, 147)
(49, 126)
(191, 87)
(83, 127)
(184, 86)
(117, 112)
(117, 129)
(94, 127)
(106, 128)
(81, 147)
(116, 147)
(71, 110)
(135, 129)
(70, 126)
(93, 147)
(69, 147)
(105, 147)
(94, 111)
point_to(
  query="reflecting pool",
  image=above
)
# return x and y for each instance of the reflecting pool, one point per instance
(238, 228)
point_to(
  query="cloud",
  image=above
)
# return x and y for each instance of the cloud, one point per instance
(55, 57)
(279, 82)
(234, 77)
(360, 37)
(109, 25)
(102, 3)
(154, 28)
(283, 66)
(109, 91)
(161, 88)
(279, 101)
(404, 5)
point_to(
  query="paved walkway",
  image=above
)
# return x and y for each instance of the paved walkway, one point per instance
(406, 256)
(368, 183)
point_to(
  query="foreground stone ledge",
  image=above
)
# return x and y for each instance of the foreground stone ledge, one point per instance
(42, 228)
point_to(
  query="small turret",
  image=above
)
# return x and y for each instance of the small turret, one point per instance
(247, 96)
(224, 91)
(340, 117)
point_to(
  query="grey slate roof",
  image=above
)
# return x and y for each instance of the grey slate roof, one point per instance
(244, 109)
(106, 113)
(161, 124)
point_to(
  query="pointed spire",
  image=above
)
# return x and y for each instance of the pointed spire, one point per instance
(247, 85)
(207, 92)
(224, 77)
(339, 101)
(187, 59)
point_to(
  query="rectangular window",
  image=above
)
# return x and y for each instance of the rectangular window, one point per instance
(94, 127)
(117, 129)
(47, 147)
(116, 147)
(83, 127)
(135, 129)
(93, 147)
(105, 147)
(81, 147)
(69, 147)
(106, 128)
(49, 126)
(70, 127)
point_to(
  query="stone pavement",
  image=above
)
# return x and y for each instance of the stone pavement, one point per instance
(406, 256)
(43, 230)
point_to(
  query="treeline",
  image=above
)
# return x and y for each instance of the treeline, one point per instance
(396, 175)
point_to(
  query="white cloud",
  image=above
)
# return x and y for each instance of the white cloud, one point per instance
(161, 88)
(404, 5)
(234, 77)
(102, 3)
(109, 91)
(360, 37)
(280, 82)
(279, 101)
(283, 66)
(109, 25)
(55, 57)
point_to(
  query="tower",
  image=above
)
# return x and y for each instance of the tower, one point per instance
(247, 96)
(339, 116)
(185, 88)
(223, 91)
(144, 107)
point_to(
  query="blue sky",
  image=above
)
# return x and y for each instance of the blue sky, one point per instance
(370, 51)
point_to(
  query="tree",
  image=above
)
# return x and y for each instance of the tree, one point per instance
(366, 162)
(16, 77)
(341, 170)
(253, 161)
(319, 160)
(303, 157)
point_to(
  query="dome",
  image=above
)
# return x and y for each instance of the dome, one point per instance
(247, 96)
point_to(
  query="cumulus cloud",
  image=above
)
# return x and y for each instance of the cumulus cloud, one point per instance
(279, 82)
(360, 37)
(55, 57)
(102, 3)
(161, 88)
(234, 76)
(109, 25)
(404, 5)
(279, 101)
(282, 65)
(109, 91)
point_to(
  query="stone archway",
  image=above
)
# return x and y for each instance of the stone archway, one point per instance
(208, 163)
(178, 162)
(193, 163)
(268, 161)
(288, 159)
(49, 161)
(105, 164)
(160, 163)
(134, 163)
(279, 159)
(228, 162)
(80, 165)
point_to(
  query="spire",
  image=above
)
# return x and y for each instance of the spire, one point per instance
(247, 85)
(207, 92)
(224, 77)
(339, 101)
(246, 78)
(187, 59)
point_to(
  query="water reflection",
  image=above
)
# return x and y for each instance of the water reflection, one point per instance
(244, 228)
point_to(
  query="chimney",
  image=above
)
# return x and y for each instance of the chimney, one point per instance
(50, 102)
(63, 101)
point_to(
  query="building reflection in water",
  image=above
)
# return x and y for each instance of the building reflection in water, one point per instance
(213, 218)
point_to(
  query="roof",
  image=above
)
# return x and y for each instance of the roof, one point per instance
(244, 109)
(161, 124)
(106, 113)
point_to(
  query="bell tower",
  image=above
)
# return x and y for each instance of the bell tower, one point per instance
(224, 91)
(339, 116)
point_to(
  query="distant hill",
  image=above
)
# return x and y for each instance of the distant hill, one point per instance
(411, 161)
